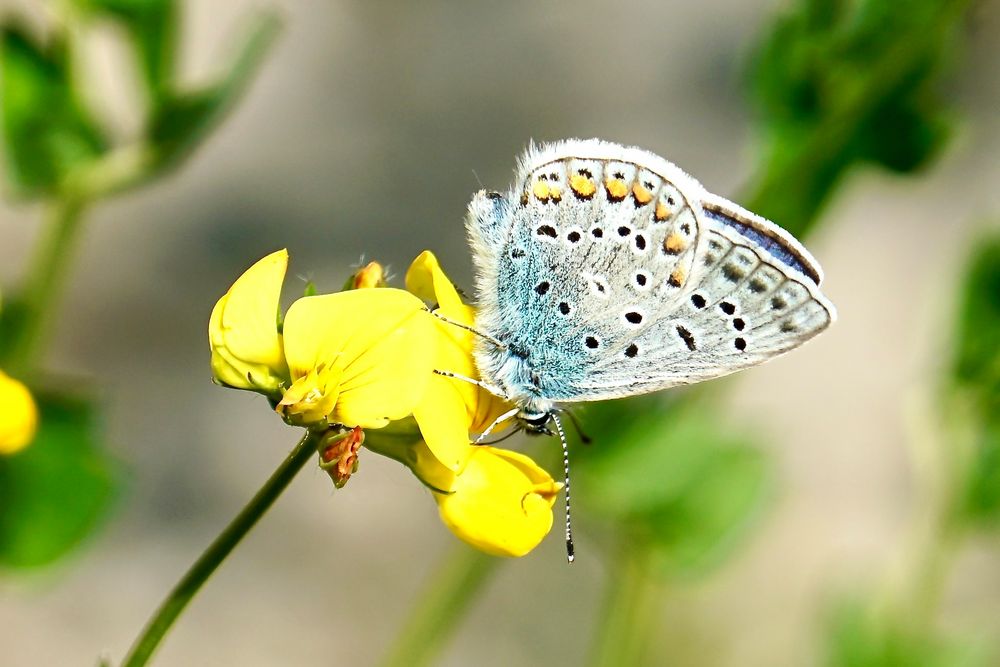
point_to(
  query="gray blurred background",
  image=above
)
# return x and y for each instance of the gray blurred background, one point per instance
(365, 135)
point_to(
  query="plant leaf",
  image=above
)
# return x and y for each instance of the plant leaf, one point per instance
(55, 492)
(976, 375)
(184, 119)
(151, 26)
(841, 83)
(673, 481)
(46, 131)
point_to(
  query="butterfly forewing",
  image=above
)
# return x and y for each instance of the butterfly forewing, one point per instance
(605, 277)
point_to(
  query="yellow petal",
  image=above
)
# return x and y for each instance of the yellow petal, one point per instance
(426, 279)
(18, 415)
(381, 342)
(501, 503)
(243, 330)
(444, 422)
(438, 413)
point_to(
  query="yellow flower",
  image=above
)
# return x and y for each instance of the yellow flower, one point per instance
(356, 358)
(497, 500)
(365, 358)
(18, 415)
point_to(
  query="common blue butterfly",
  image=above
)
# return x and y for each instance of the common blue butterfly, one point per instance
(606, 271)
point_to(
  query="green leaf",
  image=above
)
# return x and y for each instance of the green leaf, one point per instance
(673, 481)
(55, 492)
(46, 131)
(841, 83)
(860, 638)
(976, 374)
(977, 351)
(184, 119)
(151, 26)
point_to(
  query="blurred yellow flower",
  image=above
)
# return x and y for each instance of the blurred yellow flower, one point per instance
(18, 415)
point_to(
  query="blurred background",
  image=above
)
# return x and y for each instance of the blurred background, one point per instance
(363, 135)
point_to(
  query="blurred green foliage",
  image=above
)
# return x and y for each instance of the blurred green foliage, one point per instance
(843, 82)
(672, 481)
(53, 493)
(151, 29)
(976, 372)
(57, 490)
(861, 638)
(46, 130)
(55, 148)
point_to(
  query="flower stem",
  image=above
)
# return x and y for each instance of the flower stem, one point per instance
(46, 276)
(629, 612)
(442, 605)
(158, 626)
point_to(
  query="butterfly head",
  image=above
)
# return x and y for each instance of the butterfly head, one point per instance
(535, 422)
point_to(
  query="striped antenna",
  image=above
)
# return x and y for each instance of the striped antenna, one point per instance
(570, 556)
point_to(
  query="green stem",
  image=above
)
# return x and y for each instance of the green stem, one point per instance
(46, 276)
(629, 612)
(449, 592)
(192, 581)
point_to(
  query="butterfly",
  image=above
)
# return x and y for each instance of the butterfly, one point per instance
(606, 271)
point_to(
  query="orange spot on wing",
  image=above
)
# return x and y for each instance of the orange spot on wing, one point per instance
(617, 188)
(641, 194)
(582, 186)
(540, 190)
(555, 193)
(677, 277)
(674, 244)
(662, 212)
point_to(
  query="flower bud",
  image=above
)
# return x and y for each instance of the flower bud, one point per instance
(370, 276)
(18, 415)
(339, 454)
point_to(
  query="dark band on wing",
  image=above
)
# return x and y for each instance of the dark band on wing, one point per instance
(773, 244)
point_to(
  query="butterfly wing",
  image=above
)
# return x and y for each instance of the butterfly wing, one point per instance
(610, 272)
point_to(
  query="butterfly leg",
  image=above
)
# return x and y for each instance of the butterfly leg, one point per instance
(493, 389)
(496, 422)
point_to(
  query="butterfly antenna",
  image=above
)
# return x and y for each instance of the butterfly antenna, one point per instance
(584, 438)
(570, 556)
(482, 335)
